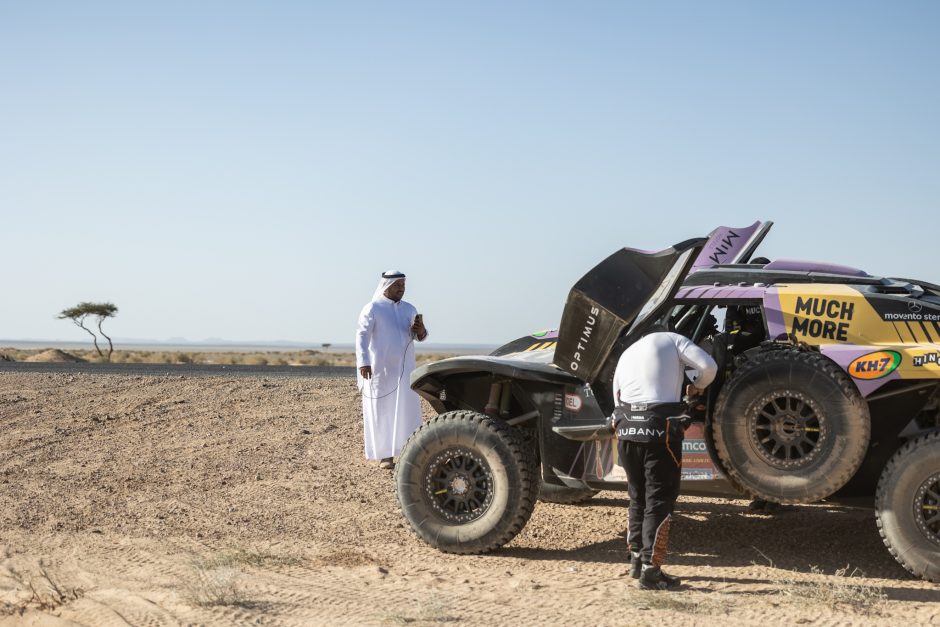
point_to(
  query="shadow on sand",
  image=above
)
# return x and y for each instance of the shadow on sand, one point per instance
(812, 538)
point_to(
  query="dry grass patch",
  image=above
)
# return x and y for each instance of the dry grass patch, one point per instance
(434, 611)
(41, 591)
(208, 587)
(242, 557)
(840, 591)
(682, 602)
(216, 579)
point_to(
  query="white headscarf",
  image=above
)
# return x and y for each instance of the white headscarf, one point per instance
(388, 278)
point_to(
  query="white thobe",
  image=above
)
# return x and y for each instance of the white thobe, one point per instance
(391, 410)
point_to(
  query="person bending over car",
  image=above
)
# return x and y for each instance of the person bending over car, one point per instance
(647, 422)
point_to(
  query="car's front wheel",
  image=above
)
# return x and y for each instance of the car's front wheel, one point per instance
(466, 483)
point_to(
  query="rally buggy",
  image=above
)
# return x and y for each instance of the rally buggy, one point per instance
(828, 388)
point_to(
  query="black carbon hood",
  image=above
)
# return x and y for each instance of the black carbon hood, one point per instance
(630, 287)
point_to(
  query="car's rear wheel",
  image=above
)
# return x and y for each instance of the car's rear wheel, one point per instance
(790, 427)
(466, 483)
(907, 506)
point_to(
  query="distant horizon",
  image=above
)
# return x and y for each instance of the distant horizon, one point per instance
(229, 345)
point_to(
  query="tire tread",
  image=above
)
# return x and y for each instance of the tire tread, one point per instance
(821, 365)
(528, 470)
(893, 466)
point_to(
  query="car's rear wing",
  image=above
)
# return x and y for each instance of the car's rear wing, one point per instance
(728, 245)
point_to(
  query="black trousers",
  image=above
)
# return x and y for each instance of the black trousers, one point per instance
(653, 473)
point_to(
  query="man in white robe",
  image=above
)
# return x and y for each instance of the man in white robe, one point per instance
(385, 356)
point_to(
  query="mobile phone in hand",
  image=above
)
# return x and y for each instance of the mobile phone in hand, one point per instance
(418, 320)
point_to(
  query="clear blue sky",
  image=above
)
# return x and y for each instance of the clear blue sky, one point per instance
(245, 170)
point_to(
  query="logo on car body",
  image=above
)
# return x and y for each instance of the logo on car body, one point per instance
(875, 365)
(928, 358)
(573, 402)
(585, 337)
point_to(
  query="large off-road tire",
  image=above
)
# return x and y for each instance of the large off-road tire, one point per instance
(466, 483)
(907, 506)
(550, 493)
(716, 460)
(790, 427)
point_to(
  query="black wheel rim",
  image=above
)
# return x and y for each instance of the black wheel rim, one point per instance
(459, 485)
(787, 429)
(927, 508)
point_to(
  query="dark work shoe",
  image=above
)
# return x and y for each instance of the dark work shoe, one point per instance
(635, 565)
(653, 578)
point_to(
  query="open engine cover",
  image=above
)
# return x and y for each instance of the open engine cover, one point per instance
(627, 289)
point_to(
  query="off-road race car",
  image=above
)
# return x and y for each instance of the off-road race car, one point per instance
(828, 388)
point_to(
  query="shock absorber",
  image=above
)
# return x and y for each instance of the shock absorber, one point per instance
(504, 398)
(492, 404)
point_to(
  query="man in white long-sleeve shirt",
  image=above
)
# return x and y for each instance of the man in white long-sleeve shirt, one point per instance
(647, 391)
(385, 356)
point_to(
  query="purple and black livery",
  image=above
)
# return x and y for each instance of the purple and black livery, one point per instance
(828, 388)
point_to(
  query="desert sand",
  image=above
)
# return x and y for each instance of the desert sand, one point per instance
(168, 501)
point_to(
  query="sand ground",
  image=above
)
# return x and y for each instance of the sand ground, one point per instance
(168, 501)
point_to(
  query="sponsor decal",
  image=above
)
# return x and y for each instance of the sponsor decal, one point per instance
(911, 316)
(696, 463)
(875, 365)
(830, 318)
(923, 360)
(725, 245)
(912, 311)
(585, 338)
(573, 402)
(540, 333)
(634, 431)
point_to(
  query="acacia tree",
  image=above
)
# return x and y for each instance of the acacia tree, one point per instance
(100, 311)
